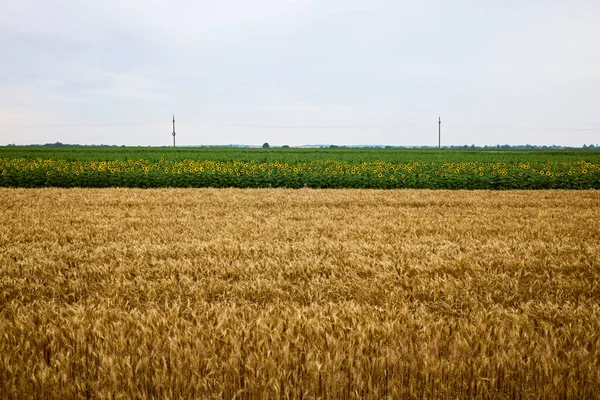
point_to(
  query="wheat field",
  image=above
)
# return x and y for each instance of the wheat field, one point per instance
(278, 293)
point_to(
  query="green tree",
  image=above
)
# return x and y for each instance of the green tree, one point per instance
(266, 145)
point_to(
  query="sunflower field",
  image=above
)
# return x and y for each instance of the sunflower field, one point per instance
(426, 170)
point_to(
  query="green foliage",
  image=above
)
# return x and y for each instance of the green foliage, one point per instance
(75, 166)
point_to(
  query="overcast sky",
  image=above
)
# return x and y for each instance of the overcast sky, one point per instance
(300, 71)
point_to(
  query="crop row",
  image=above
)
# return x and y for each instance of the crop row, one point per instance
(23, 172)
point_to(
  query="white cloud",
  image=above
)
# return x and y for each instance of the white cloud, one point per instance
(127, 86)
(549, 43)
(237, 64)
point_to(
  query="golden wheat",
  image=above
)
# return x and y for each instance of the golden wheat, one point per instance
(212, 293)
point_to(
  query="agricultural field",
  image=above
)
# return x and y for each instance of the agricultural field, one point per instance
(280, 293)
(98, 167)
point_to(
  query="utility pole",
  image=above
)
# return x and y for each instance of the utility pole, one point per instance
(439, 132)
(173, 130)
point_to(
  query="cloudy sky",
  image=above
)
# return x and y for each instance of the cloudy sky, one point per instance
(300, 71)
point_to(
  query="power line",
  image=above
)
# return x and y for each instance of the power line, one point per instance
(41, 124)
(439, 132)
(309, 126)
(173, 130)
(468, 125)
(93, 125)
